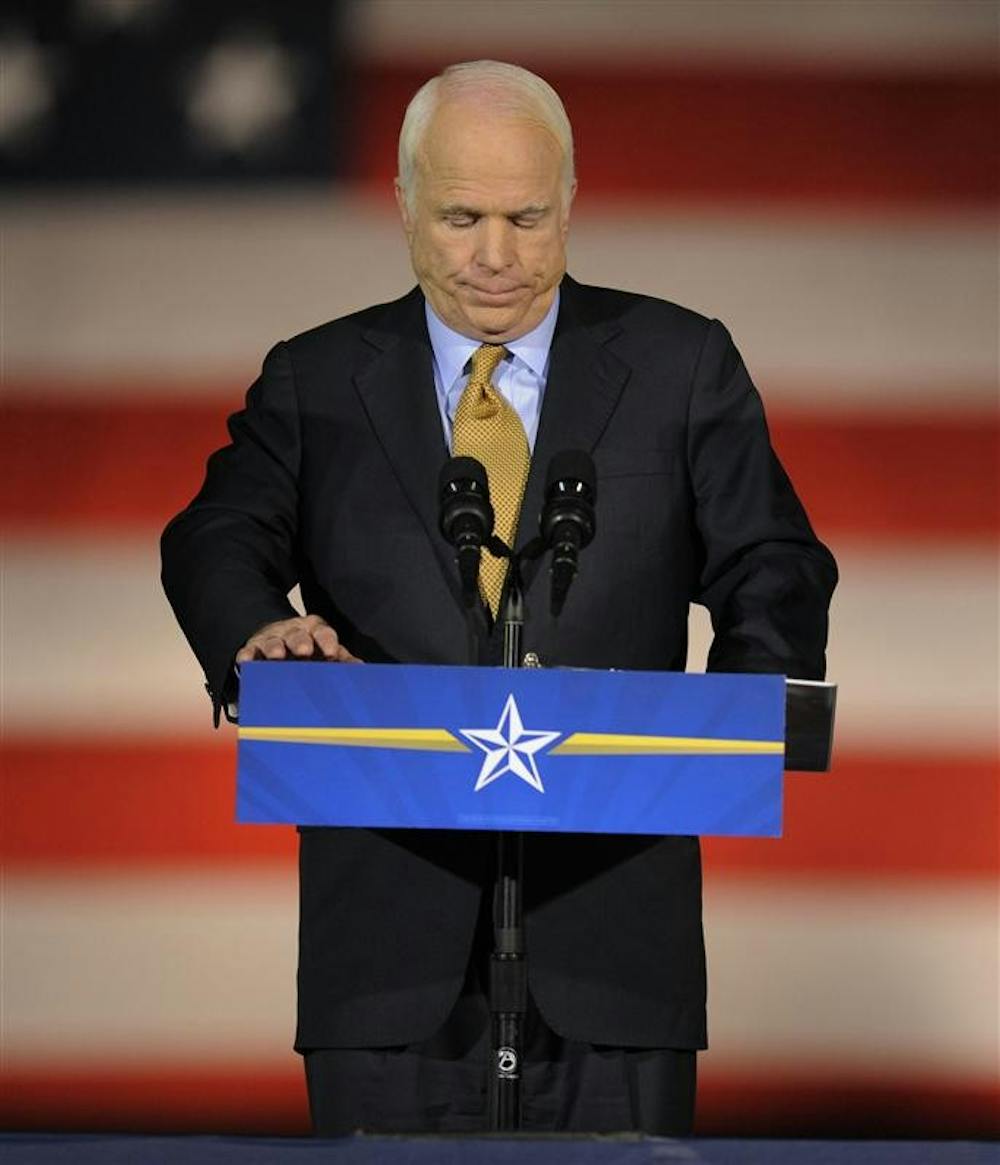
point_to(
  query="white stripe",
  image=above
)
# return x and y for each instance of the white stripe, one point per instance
(823, 313)
(149, 968)
(900, 32)
(853, 974)
(90, 646)
(127, 291)
(913, 648)
(199, 965)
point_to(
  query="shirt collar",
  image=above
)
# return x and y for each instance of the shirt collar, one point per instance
(452, 350)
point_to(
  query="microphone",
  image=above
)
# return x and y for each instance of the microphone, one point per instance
(466, 517)
(567, 518)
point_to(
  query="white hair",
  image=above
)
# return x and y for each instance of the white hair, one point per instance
(507, 89)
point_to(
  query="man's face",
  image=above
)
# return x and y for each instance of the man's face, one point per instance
(487, 231)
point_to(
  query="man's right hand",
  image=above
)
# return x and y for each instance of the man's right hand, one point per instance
(304, 637)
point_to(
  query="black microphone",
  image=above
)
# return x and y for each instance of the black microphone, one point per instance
(567, 518)
(466, 518)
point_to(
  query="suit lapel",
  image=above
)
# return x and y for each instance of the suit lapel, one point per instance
(584, 384)
(397, 391)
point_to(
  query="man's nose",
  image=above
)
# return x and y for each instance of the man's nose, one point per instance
(496, 244)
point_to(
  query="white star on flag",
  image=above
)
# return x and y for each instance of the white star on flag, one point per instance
(243, 91)
(509, 748)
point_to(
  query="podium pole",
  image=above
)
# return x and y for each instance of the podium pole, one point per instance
(508, 968)
(508, 985)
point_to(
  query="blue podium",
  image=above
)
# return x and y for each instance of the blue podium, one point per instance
(410, 746)
(518, 750)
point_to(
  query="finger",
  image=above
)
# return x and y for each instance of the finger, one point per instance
(273, 647)
(248, 653)
(327, 641)
(300, 643)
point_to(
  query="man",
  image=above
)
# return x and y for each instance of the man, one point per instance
(330, 481)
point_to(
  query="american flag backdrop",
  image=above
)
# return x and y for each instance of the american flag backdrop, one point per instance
(186, 184)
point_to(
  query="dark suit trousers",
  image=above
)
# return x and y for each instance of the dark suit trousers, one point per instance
(442, 1084)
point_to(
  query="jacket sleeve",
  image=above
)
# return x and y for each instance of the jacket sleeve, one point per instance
(765, 578)
(228, 559)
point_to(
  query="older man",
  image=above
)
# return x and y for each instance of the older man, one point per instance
(330, 482)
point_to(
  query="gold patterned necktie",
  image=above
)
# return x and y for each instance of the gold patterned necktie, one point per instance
(488, 428)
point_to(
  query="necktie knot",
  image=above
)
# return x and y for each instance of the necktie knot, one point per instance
(484, 363)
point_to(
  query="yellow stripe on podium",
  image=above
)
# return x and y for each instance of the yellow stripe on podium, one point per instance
(620, 744)
(427, 739)
(576, 744)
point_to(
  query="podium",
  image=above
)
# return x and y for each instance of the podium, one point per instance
(517, 750)
(562, 750)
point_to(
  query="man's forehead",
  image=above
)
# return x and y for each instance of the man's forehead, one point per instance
(504, 197)
(502, 187)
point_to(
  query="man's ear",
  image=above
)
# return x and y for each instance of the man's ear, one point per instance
(404, 210)
(564, 224)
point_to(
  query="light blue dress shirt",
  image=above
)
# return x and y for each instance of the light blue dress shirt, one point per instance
(520, 377)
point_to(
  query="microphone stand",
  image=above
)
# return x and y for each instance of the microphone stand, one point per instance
(572, 474)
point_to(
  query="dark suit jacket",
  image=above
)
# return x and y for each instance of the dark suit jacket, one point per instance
(331, 481)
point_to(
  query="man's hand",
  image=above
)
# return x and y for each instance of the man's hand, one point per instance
(304, 637)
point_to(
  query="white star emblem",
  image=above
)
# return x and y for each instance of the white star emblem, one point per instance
(509, 748)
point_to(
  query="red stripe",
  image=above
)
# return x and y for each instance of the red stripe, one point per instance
(739, 133)
(119, 464)
(904, 815)
(235, 1099)
(925, 477)
(192, 1097)
(110, 805)
(797, 1103)
(126, 465)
